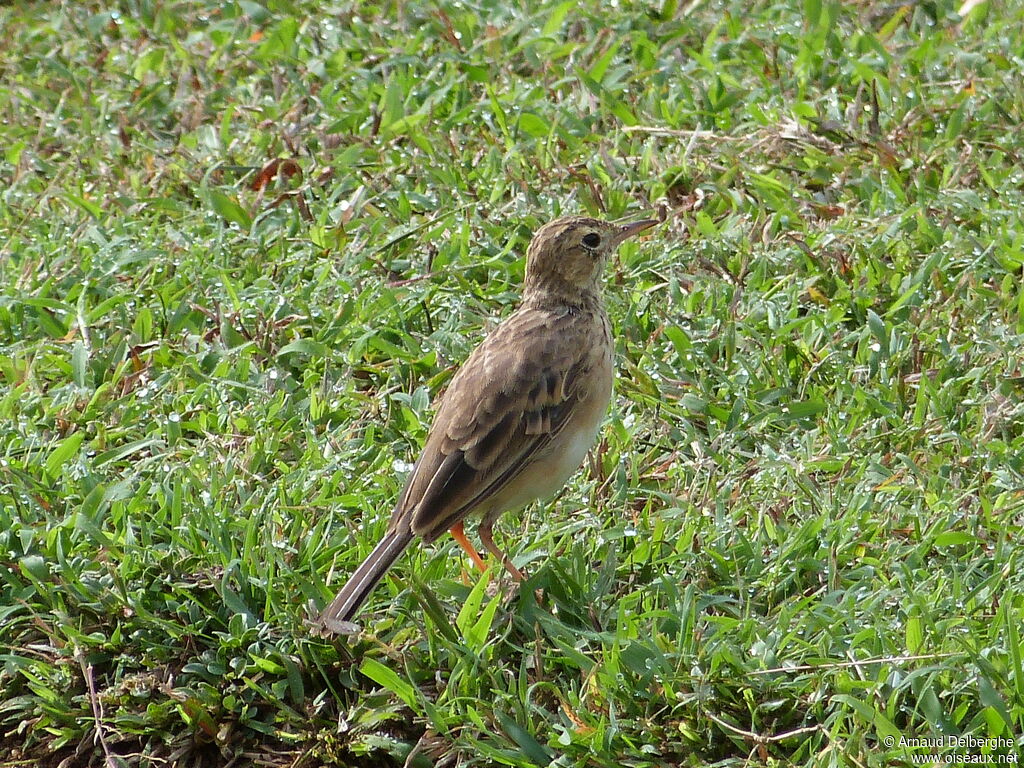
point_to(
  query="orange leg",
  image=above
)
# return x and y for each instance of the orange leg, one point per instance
(459, 535)
(487, 539)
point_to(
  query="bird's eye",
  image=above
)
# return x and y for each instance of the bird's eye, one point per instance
(591, 240)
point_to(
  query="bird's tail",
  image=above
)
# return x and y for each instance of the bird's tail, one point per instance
(348, 601)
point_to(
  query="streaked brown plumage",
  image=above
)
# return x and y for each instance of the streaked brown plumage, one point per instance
(520, 415)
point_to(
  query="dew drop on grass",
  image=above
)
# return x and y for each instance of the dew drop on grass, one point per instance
(174, 418)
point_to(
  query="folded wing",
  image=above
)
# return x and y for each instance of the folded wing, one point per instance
(506, 405)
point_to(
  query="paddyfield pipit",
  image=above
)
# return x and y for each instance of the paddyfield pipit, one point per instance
(519, 416)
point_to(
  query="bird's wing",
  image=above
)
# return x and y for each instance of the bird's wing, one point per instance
(515, 393)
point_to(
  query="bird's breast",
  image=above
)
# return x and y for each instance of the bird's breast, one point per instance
(548, 471)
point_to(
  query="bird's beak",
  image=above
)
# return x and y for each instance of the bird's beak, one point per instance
(628, 230)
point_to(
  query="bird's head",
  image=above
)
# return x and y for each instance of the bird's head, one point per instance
(568, 255)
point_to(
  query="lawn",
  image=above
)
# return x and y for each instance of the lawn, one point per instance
(244, 244)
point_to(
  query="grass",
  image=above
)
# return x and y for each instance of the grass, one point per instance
(242, 245)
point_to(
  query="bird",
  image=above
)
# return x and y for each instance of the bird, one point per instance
(518, 417)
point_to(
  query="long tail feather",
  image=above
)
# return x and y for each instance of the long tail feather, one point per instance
(351, 597)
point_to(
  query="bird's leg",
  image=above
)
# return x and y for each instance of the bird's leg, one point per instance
(459, 534)
(485, 532)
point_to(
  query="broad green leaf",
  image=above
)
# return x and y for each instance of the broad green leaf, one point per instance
(914, 634)
(387, 678)
(305, 347)
(64, 451)
(229, 209)
(80, 365)
(531, 748)
(533, 125)
(471, 608)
